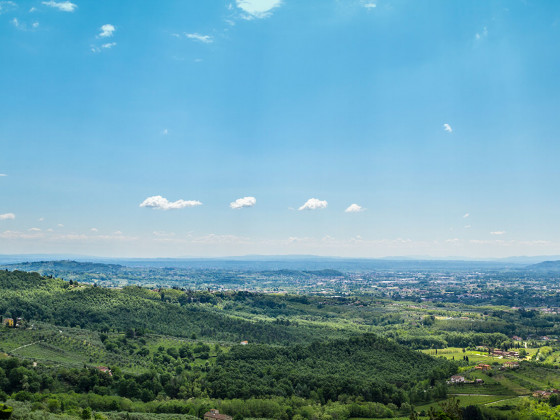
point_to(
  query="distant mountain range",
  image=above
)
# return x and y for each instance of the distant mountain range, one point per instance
(47, 264)
(545, 266)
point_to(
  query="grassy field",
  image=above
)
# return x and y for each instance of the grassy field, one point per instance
(465, 400)
(475, 356)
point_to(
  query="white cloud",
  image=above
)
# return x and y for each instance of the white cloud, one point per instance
(7, 6)
(13, 234)
(22, 26)
(354, 208)
(94, 230)
(60, 225)
(161, 203)
(165, 132)
(258, 8)
(447, 128)
(3, 175)
(64, 6)
(466, 215)
(34, 229)
(106, 31)
(33, 9)
(370, 5)
(498, 232)
(207, 39)
(215, 239)
(7, 216)
(314, 204)
(482, 34)
(106, 46)
(243, 202)
(467, 226)
(163, 234)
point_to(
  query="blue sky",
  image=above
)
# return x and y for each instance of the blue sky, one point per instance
(437, 120)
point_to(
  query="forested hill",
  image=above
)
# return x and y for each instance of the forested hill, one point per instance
(545, 266)
(65, 266)
(166, 311)
(369, 366)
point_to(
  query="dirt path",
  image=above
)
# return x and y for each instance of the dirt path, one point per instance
(505, 399)
(25, 345)
(473, 395)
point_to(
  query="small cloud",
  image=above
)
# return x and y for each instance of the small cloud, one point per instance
(243, 202)
(3, 175)
(7, 216)
(94, 230)
(354, 208)
(64, 6)
(498, 232)
(41, 219)
(314, 204)
(161, 203)
(106, 31)
(106, 46)
(257, 9)
(60, 225)
(23, 26)
(165, 132)
(33, 9)
(447, 128)
(370, 5)
(482, 34)
(7, 6)
(163, 234)
(50, 230)
(207, 39)
(467, 226)
(117, 232)
(466, 215)
(34, 229)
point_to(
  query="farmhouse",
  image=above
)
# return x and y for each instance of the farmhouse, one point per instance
(482, 366)
(105, 369)
(542, 394)
(215, 415)
(511, 365)
(8, 322)
(456, 379)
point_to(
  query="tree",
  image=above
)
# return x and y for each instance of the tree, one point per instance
(86, 413)
(448, 410)
(5, 411)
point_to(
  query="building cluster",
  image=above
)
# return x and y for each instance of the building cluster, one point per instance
(13, 323)
(545, 395)
(458, 379)
(215, 415)
(504, 353)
